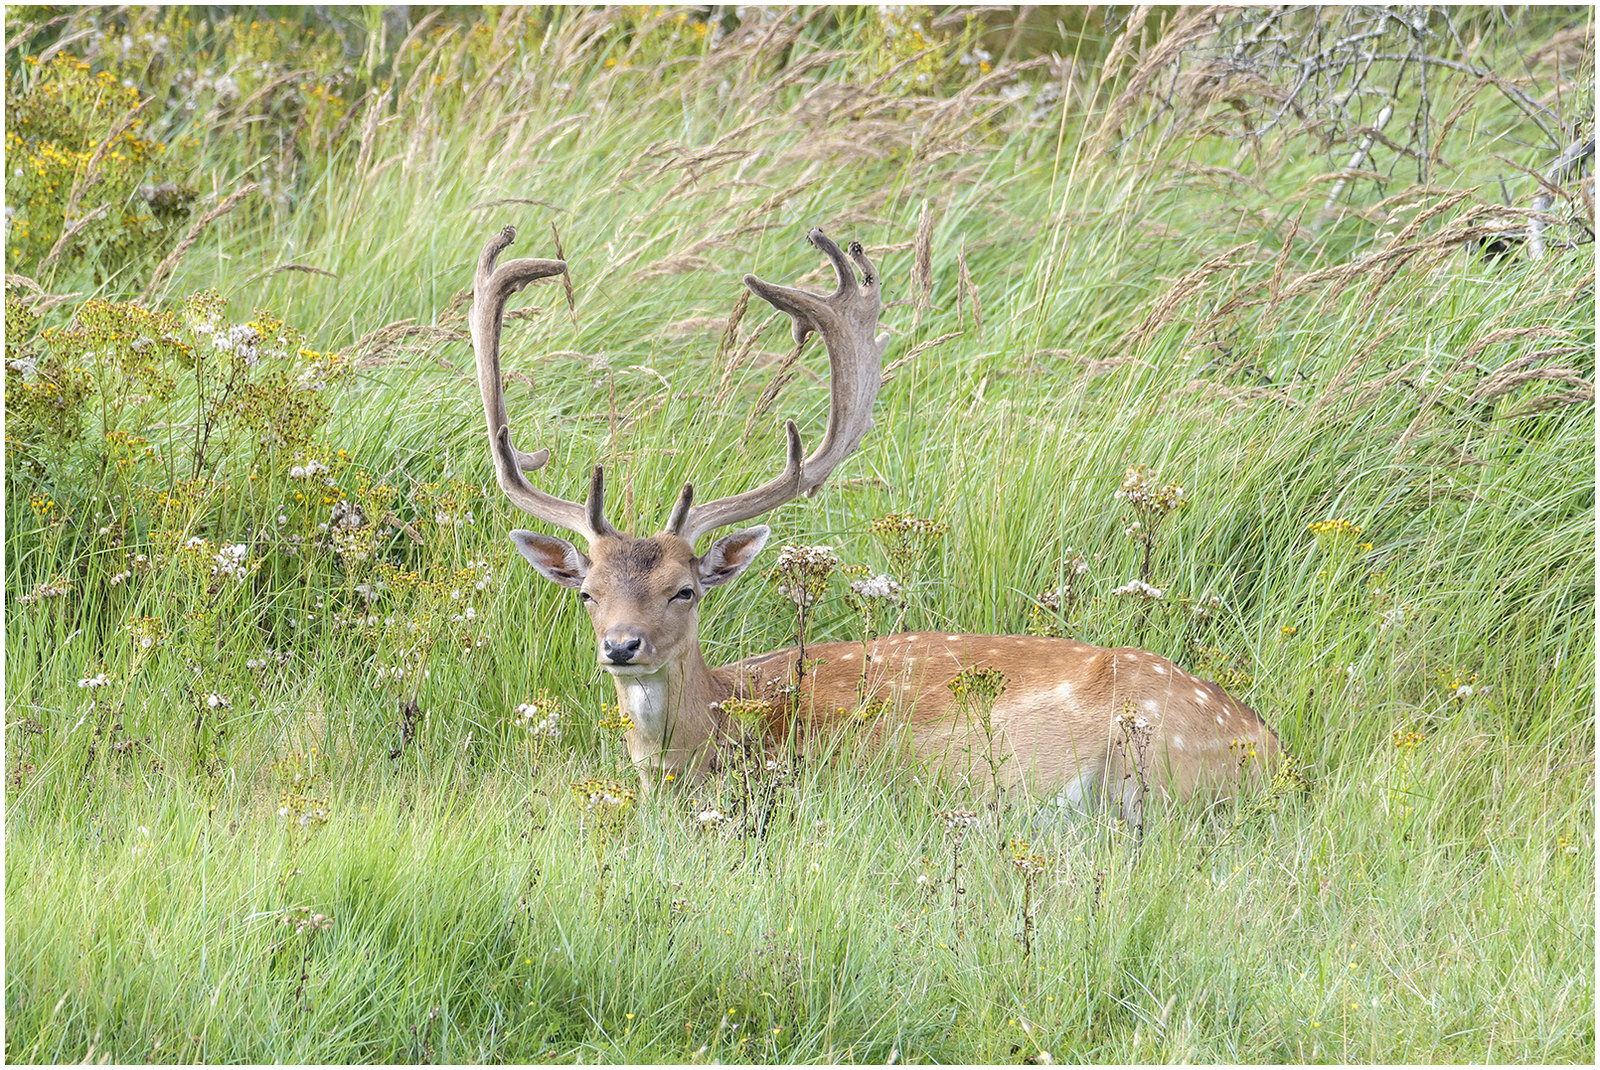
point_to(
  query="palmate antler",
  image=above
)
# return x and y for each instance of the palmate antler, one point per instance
(491, 287)
(847, 319)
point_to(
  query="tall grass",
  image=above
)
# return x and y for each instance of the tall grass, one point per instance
(1429, 896)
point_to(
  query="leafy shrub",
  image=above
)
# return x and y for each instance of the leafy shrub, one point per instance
(88, 182)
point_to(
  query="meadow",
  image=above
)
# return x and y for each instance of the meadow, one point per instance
(304, 765)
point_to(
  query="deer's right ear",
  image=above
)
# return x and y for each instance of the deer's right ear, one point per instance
(731, 555)
(556, 559)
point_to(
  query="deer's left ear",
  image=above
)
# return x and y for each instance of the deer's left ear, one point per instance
(731, 555)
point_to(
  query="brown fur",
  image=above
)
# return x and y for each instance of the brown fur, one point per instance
(1053, 728)
(1054, 722)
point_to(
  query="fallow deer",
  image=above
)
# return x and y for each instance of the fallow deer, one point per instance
(1079, 723)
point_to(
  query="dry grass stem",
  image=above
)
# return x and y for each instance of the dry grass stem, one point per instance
(730, 331)
(968, 290)
(1511, 334)
(70, 231)
(915, 351)
(1185, 287)
(566, 276)
(740, 358)
(228, 204)
(1123, 45)
(91, 170)
(780, 379)
(307, 269)
(922, 264)
(497, 202)
(1188, 26)
(1528, 369)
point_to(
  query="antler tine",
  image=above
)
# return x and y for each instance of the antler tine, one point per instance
(492, 287)
(847, 319)
(680, 511)
(692, 521)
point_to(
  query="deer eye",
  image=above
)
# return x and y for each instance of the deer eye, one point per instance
(585, 597)
(684, 595)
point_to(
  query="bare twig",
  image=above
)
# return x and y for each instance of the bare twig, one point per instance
(1568, 163)
(1359, 157)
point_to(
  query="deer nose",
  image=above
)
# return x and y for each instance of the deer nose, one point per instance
(620, 653)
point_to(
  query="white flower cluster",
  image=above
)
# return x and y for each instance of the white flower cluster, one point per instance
(230, 562)
(217, 701)
(813, 557)
(803, 573)
(49, 589)
(1206, 606)
(401, 671)
(1140, 589)
(158, 44)
(311, 377)
(880, 586)
(92, 682)
(1031, 865)
(310, 470)
(604, 797)
(537, 723)
(1138, 723)
(1141, 491)
(960, 819)
(242, 340)
(799, 594)
(346, 514)
(711, 817)
(351, 546)
(453, 520)
(318, 814)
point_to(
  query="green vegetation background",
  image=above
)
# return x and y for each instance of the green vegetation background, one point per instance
(290, 735)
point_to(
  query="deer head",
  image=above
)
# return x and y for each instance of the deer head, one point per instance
(643, 594)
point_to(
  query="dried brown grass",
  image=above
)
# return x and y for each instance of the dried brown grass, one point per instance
(172, 259)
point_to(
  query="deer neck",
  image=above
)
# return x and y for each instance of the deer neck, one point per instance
(673, 727)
